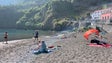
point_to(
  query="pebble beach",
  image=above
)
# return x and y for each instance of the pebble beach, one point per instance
(71, 50)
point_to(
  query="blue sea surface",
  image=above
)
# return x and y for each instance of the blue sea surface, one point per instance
(14, 34)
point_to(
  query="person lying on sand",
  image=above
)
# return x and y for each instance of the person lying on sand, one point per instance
(98, 40)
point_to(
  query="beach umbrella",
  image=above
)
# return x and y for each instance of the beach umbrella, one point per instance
(89, 32)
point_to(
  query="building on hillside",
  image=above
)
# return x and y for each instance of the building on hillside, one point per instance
(96, 15)
(106, 17)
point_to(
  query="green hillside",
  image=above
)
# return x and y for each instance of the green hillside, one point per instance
(51, 14)
(10, 14)
(55, 15)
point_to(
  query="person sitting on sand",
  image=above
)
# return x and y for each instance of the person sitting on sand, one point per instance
(6, 37)
(42, 47)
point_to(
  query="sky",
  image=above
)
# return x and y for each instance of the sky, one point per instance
(7, 2)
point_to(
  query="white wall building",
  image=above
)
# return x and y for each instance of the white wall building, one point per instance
(96, 15)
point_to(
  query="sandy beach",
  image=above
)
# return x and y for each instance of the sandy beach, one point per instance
(72, 50)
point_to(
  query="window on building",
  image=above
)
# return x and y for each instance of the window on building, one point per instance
(105, 18)
(108, 17)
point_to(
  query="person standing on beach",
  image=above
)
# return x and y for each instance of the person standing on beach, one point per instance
(36, 35)
(6, 37)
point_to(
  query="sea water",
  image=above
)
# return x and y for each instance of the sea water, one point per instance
(14, 34)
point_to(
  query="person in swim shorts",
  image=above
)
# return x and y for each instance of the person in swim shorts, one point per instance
(36, 35)
(6, 37)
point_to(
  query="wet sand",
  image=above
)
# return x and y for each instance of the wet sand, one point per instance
(72, 50)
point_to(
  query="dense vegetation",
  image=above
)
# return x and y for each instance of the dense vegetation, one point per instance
(9, 16)
(47, 15)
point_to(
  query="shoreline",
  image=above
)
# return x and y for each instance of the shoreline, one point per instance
(49, 40)
(72, 50)
(19, 50)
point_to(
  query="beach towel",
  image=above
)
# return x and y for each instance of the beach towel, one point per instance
(96, 45)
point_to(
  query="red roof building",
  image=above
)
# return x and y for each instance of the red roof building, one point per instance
(99, 14)
(106, 16)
